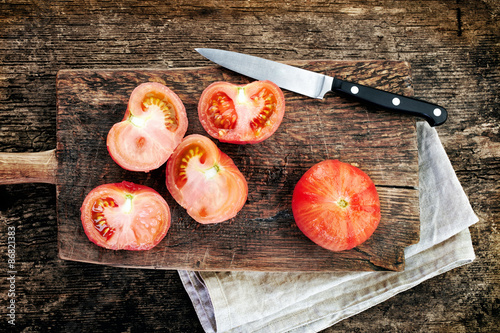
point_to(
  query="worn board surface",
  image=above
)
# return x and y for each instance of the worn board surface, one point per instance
(263, 236)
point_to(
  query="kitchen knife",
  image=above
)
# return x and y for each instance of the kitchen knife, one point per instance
(316, 85)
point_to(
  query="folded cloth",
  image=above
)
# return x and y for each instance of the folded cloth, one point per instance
(310, 302)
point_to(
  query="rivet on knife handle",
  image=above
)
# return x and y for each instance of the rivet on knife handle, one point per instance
(434, 114)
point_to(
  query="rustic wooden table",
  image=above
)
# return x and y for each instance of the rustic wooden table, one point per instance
(452, 46)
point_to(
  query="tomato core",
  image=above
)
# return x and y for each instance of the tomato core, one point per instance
(139, 122)
(342, 203)
(210, 173)
(127, 209)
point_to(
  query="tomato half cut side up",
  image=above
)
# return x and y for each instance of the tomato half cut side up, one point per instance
(336, 205)
(205, 181)
(125, 216)
(153, 125)
(241, 113)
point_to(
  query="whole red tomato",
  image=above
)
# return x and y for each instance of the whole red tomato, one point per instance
(336, 205)
(154, 124)
(241, 113)
(205, 181)
(125, 216)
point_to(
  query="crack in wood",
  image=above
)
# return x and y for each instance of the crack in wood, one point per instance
(459, 21)
(406, 187)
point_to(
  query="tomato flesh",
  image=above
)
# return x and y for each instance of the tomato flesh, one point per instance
(205, 181)
(153, 125)
(125, 216)
(336, 205)
(241, 113)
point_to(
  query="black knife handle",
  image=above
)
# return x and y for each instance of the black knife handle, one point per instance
(434, 114)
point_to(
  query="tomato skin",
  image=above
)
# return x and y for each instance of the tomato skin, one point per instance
(241, 114)
(125, 216)
(336, 205)
(153, 125)
(205, 181)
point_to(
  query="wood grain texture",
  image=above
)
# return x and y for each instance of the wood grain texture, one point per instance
(454, 51)
(18, 168)
(263, 236)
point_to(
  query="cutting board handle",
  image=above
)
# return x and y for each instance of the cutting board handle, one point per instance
(18, 168)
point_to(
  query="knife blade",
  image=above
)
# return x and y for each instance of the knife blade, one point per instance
(316, 85)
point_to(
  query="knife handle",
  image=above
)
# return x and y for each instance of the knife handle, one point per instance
(20, 168)
(434, 114)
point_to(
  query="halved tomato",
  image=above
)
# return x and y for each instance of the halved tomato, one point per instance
(205, 181)
(125, 216)
(154, 124)
(336, 205)
(241, 113)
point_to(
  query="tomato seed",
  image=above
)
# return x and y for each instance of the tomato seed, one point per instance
(189, 153)
(98, 218)
(261, 120)
(171, 122)
(222, 113)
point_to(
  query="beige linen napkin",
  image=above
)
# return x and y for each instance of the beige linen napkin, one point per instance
(310, 302)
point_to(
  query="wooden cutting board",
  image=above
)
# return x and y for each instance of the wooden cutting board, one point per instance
(263, 236)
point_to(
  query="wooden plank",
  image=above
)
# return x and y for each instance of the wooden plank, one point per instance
(263, 236)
